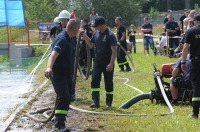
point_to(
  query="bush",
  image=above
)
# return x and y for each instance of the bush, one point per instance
(38, 50)
(4, 58)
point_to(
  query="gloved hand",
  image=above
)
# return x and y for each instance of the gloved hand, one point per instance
(118, 44)
(120, 41)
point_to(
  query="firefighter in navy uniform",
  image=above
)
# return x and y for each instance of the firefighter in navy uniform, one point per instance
(192, 43)
(105, 53)
(59, 67)
(121, 36)
(83, 52)
(56, 29)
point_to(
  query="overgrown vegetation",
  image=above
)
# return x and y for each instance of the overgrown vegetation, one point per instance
(3, 58)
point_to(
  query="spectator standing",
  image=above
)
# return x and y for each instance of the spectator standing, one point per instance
(171, 29)
(186, 13)
(131, 34)
(169, 12)
(147, 29)
(186, 20)
(93, 16)
(73, 14)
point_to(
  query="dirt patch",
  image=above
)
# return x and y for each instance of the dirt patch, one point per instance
(77, 121)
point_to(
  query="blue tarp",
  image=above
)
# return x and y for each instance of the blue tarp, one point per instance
(11, 13)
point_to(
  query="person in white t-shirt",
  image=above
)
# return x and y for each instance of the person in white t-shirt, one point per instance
(162, 44)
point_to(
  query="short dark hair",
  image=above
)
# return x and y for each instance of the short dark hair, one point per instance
(85, 20)
(146, 18)
(119, 18)
(73, 23)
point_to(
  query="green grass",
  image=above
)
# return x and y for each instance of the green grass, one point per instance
(142, 78)
(4, 58)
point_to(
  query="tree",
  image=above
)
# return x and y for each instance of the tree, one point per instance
(39, 10)
(127, 9)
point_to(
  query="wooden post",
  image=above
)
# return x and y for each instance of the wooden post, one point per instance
(167, 43)
(28, 26)
(8, 39)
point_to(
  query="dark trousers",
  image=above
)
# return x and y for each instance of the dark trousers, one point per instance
(173, 43)
(62, 86)
(98, 69)
(195, 79)
(121, 56)
(134, 46)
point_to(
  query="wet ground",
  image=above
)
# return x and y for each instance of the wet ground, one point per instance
(11, 88)
(76, 121)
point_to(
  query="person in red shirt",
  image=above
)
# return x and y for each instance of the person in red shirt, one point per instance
(73, 14)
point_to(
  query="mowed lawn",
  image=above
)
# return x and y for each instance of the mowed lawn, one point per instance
(142, 79)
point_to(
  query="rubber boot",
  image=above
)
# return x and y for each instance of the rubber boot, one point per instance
(109, 99)
(95, 98)
(121, 68)
(59, 122)
(195, 112)
(128, 67)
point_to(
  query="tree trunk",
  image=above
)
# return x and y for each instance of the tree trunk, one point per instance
(169, 7)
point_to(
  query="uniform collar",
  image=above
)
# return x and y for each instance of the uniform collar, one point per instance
(66, 34)
(104, 31)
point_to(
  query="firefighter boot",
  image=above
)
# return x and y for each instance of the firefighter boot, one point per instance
(59, 122)
(109, 99)
(128, 67)
(195, 113)
(95, 98)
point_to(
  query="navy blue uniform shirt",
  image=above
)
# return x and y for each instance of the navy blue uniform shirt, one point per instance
(65, 46)
(186, 75)
(103, 42)
(120, 30)
(171, 25)
(192, 37)
(147, 26)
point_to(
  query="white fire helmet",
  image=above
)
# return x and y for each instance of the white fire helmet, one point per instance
(56, 20)
(64, 14)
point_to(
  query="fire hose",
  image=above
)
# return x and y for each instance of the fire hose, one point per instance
(46, 111)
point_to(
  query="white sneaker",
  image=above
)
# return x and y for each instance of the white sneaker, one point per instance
(147, 54)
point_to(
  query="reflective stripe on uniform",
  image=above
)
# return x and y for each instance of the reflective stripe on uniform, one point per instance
(171, 48)
(109, 92)
(96, 89)
(195, 98)
(123, 63)
(61, 112)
